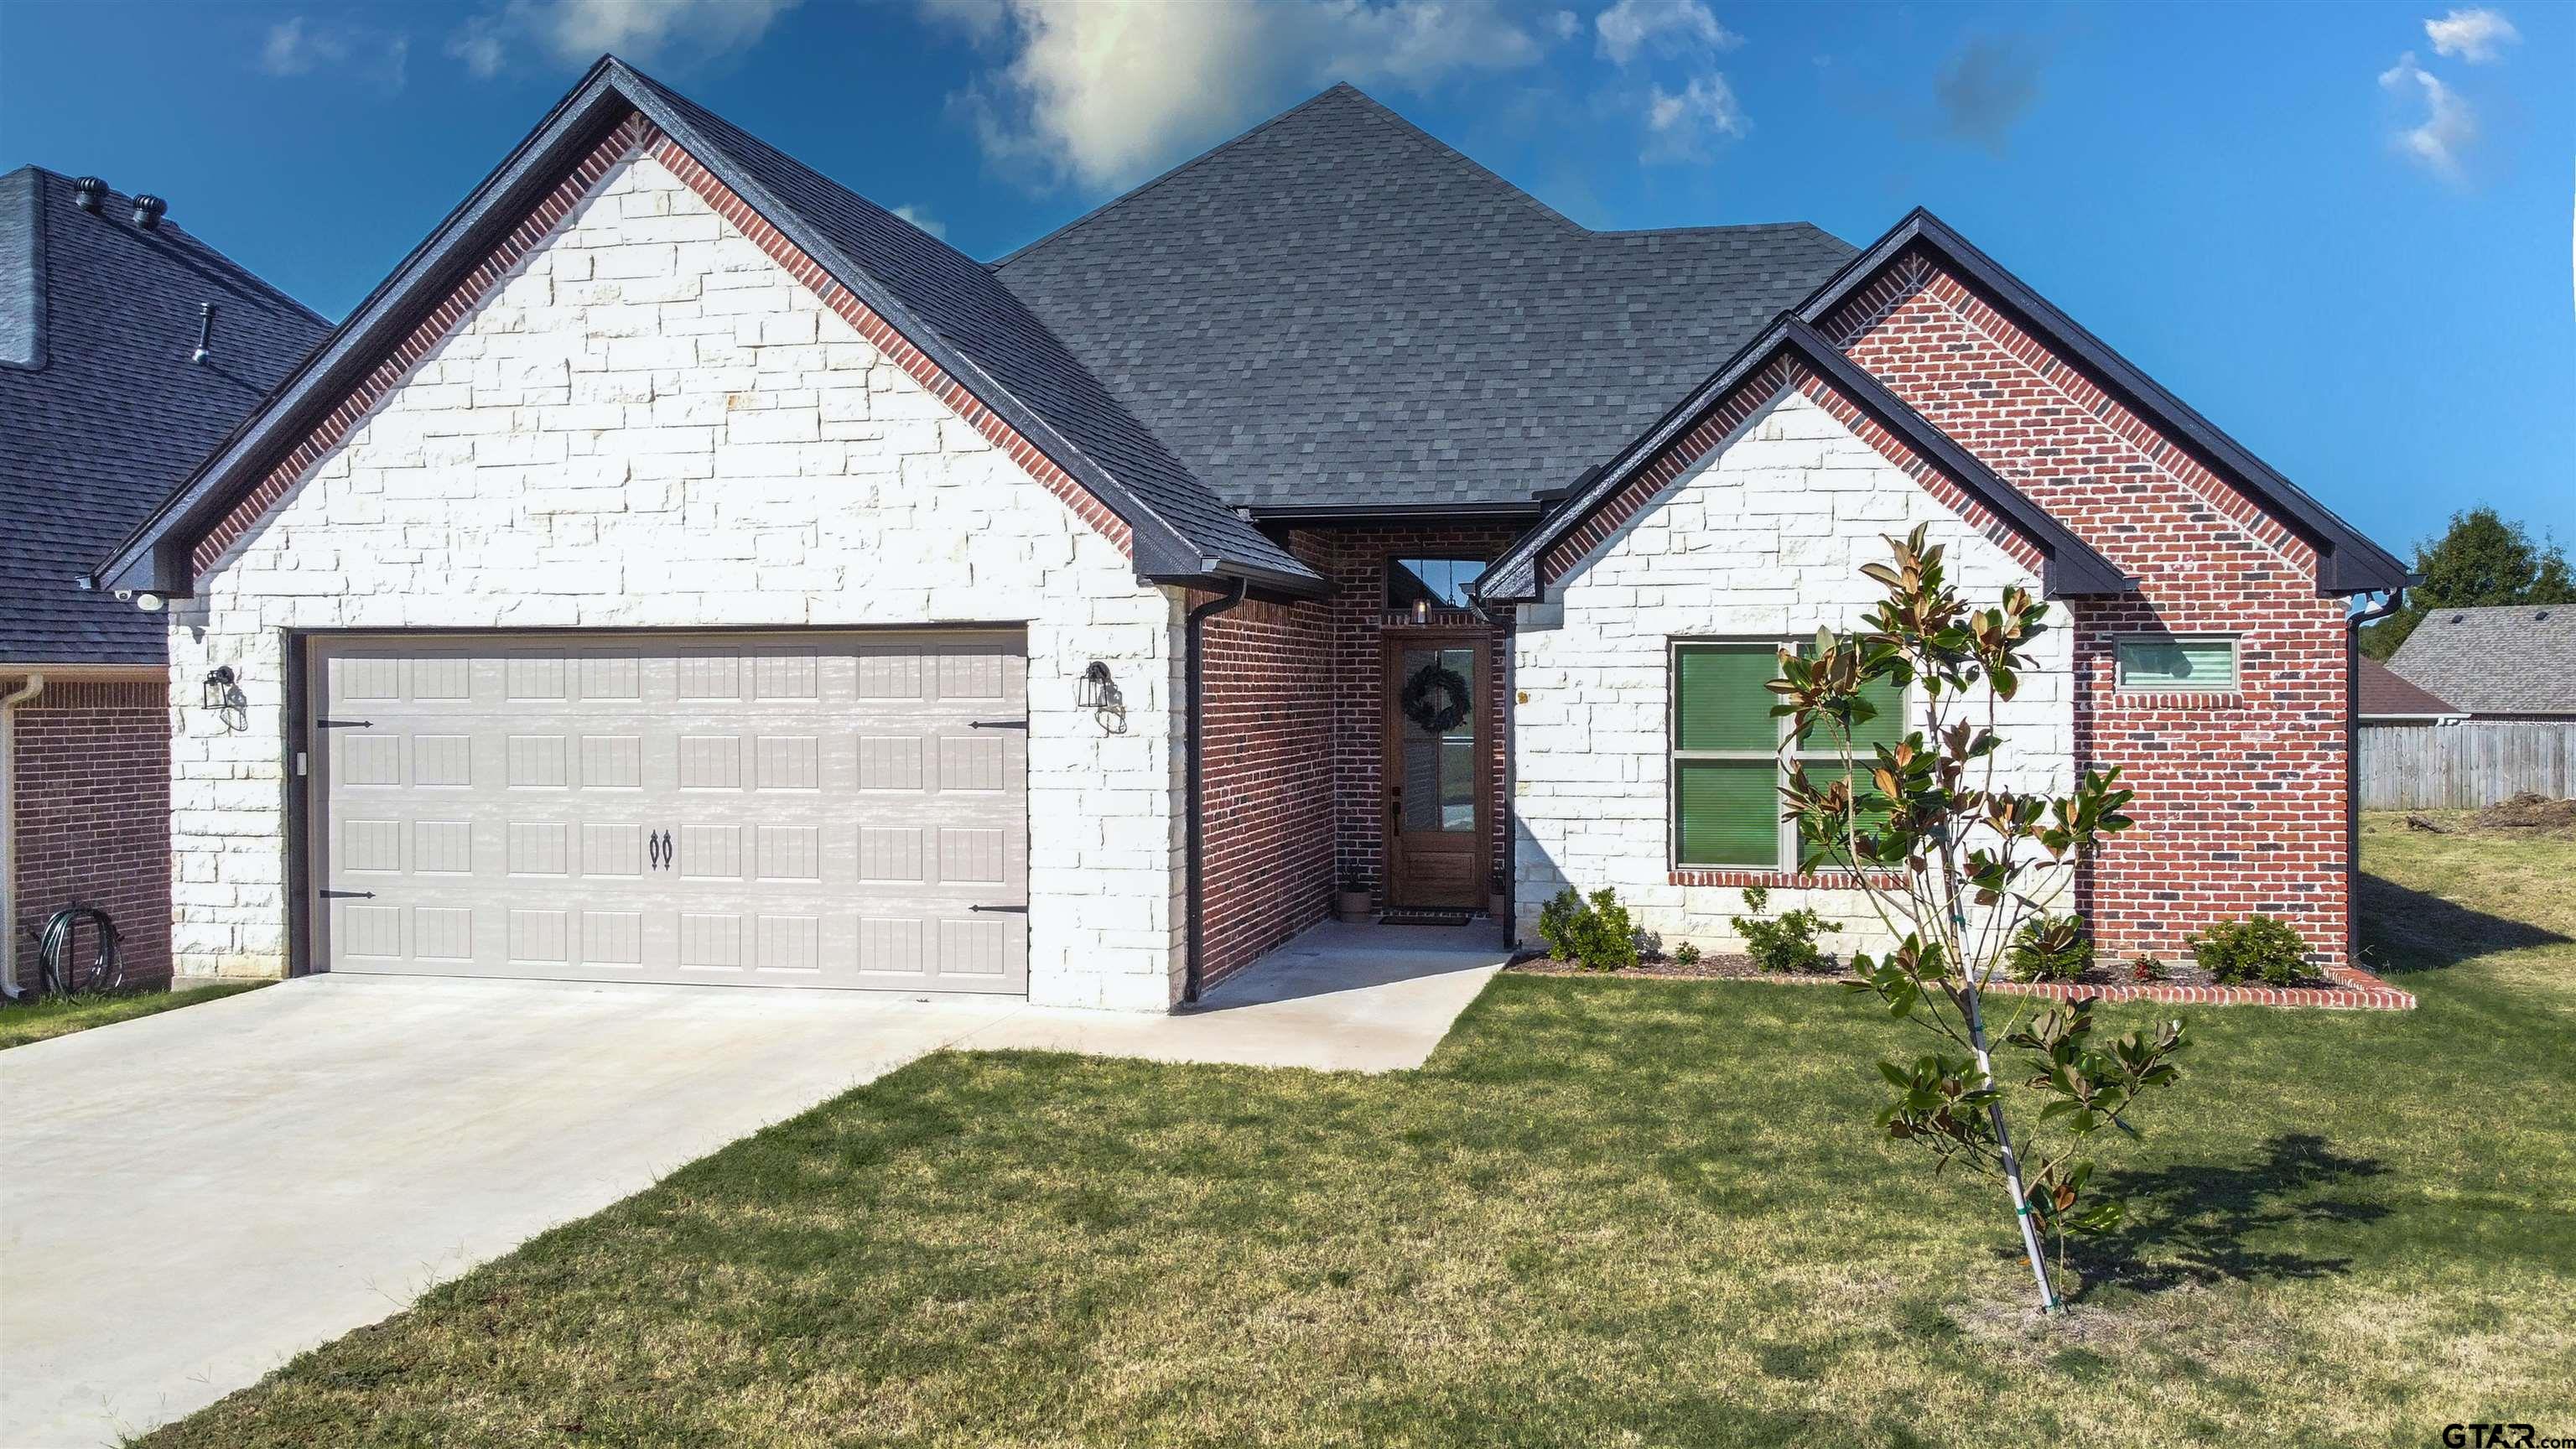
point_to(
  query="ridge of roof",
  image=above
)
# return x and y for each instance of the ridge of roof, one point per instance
(1033, 383)
(2070, 567)
(2350, 564)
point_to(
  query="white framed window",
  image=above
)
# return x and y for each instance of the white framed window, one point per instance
(1726, 765)
(2176, 663)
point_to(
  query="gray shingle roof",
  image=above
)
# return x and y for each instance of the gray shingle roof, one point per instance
(2499, 660)
(1335, 308)
(100, 409)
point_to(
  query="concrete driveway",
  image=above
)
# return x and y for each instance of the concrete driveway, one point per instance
(190, 1199)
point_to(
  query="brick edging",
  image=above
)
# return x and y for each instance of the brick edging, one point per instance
(2355, 990)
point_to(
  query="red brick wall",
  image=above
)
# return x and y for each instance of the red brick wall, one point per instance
(1290, 789)
(91, 814)
(2240, 798)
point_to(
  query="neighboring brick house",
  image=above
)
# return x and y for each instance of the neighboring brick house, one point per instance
(104, 405)
(683, 569)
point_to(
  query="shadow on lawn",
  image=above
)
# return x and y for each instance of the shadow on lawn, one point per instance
(2410, 930)
(2190, 1224)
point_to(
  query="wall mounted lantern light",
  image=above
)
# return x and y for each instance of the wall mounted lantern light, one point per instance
(219, 687)
(1096, 691)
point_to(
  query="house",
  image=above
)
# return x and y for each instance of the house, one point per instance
(681, 568)
(2390, 698)
(128, 346)
(2496, 662)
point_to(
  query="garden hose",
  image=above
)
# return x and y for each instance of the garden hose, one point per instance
(54, 949)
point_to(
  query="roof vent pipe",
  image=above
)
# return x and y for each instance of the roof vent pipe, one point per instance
(86, 193)
(148, 211)
(205, 336)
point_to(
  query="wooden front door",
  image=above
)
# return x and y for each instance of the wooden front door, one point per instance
(1436, 771)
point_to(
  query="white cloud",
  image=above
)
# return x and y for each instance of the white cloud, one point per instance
(2476, 36)
(2449, 125)
(923, 219)
(1101, 92)
(1566, 24)
(1684, 26)
(480, 44)
(573, 32)
(1683, 125)
(295, 46)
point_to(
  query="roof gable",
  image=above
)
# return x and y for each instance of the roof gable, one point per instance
(1614, 492)
(2349, 562)
(102, 405)
(941, 303)
(1336, 310)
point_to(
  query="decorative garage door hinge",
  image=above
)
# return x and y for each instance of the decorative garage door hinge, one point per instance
(998, 724)
(344, 724)
(348, 895)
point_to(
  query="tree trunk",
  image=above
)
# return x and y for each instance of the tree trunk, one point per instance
(2003, 1141)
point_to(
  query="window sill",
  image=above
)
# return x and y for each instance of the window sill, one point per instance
(2176, 699)
(1740, 877)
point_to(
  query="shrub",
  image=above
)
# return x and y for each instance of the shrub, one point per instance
(2050, 948)
(2257, 948)
(2147, 968)
(1685, 954)
(1787, 943)
(1596, 933)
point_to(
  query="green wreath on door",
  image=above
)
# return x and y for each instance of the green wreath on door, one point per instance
(1435, 699)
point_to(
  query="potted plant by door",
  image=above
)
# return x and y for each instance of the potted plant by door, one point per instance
(1351, 902)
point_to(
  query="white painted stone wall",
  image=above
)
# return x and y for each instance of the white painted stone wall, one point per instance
(651, 424)
(1764, 538)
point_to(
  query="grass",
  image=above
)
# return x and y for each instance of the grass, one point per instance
(1606, 1213)
(38, 1018)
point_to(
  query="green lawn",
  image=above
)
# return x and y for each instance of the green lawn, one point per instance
(1607, 1213)
(37, 1018)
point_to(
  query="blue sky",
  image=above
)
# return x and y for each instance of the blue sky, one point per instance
(2340, 231)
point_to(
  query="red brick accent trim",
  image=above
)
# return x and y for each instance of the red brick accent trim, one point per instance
(1912, 274)
(1782, 879)
(2173, 699)
(2355, 990)
(632, 137)
(1720, 422)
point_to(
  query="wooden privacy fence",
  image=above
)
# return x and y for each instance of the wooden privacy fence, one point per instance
(2467, 765)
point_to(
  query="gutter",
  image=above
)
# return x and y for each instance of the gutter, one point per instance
(9, 703)
(1193, 734)
(2352, 762)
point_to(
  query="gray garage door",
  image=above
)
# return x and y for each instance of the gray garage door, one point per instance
(781, 810)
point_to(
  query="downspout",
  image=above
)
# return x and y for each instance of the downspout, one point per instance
(1191, 736)
(9, 703)
(2352, 768)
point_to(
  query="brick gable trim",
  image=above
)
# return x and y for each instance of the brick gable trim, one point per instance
(634, 138)
(2098, 379)
(1792, 355)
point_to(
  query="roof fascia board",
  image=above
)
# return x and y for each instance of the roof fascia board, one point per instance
(2071, 566)
(2351, 563)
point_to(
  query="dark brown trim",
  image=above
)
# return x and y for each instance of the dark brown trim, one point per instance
(299, 804)
(1393, 640)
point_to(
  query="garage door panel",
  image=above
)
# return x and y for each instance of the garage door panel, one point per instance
(807, 810)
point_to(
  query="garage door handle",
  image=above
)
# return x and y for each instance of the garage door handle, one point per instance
(1014, 910)
(657, 848)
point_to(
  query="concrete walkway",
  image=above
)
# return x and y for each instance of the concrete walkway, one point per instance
(189, 1199)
